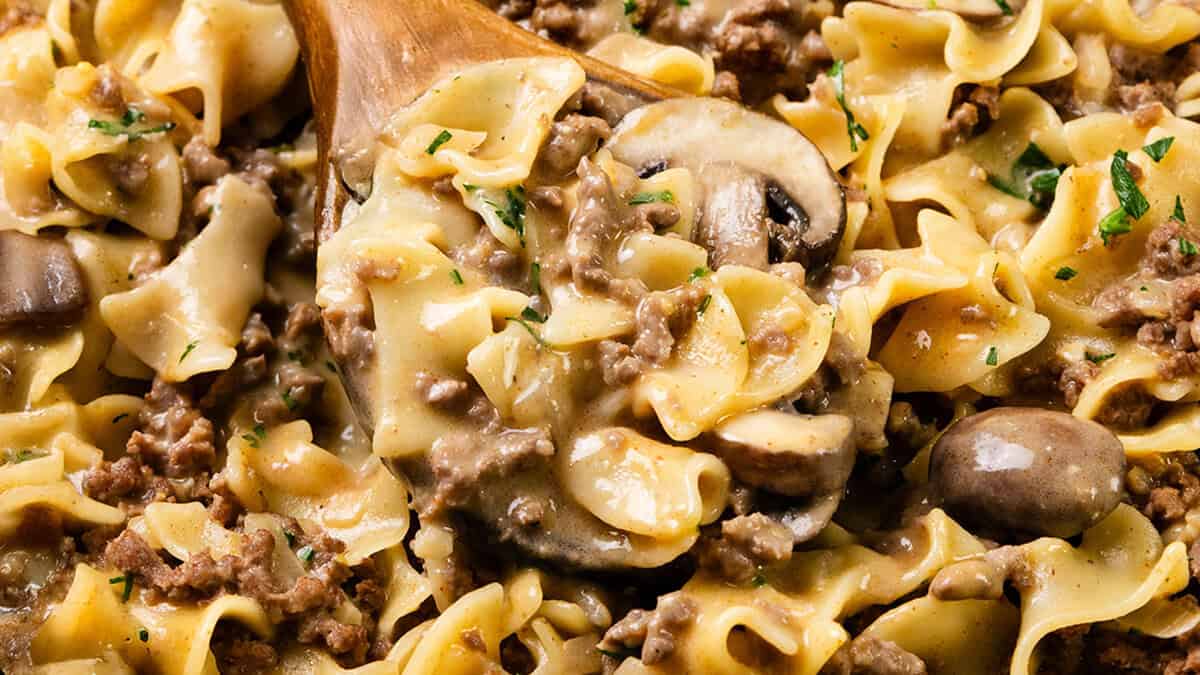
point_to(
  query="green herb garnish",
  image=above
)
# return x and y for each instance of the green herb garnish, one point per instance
(513, 212)
(188, 350)
(456, 277)
(1115, 223)
(290, 402)
(291, 538)
(144, 635)
(120, 417)
(127, 590)
(703, 305)
(853, 129)
(630, 7)
(1178, 214)
(650, 197)
(1065, 273)
(1158, 149)
(438, 141)
(332, 368)
(759, 579)
(1099, 358)
(525, 324)
(993, 356)
(1131, 198)
(1186, 247)
(123, 127)
(535, 277)
(1004, 8)
(306, 553)
(1033, 177)
(698, 273)
(530, 314)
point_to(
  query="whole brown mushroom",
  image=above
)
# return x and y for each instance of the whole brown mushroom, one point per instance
(1028, 470)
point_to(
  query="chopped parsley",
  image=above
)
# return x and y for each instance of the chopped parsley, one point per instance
(525, 324)
(290, 402)
(332, 368)
(260, 432)
(306, 553)
(853, 129)
(535, 277)
(291, 538)
(513, 212)
(127, 589)
(650, 197)
(1099, 358)
(630, 7)
(470, 187)
(704, 305)
(188, 350)
(1033, 177)
(1131, 198)
(438, 141)
(683, 3)
(698, 273)
(618, 654)
(1178, 213)
(1158, 149)
(22, 455)
(120, 417)
(1004, 8)
(144, 635)
(1065, 273)
(1115, 223)
(993, 356)
(530, 314)
(124, 126)
(1186, 247)
(296, 355)
(456, 277)
(759, 579)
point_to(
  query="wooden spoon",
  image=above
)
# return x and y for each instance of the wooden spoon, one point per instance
(366, 59)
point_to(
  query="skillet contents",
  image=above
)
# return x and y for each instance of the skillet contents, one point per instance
(876, 354)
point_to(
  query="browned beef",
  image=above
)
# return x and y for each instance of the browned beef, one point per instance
(173, 437)
(745, 545)
(654, 630)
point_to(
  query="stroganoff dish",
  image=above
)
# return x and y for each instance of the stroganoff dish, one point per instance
(874, 351)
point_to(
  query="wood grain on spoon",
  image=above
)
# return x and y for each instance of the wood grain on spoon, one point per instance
(366, 59)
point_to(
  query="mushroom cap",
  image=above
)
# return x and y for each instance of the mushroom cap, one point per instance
(972, 10)
(702, 133)
(1028, 470)
(787, 453)
(40, 281)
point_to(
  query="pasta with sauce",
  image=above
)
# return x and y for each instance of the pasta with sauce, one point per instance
(875, 350)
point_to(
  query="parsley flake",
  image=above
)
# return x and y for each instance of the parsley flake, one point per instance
(456, 277)
(1099, 358)
(1158, 149)
(698, 273)
(122, 127)
(525, 324)
(993, 356)
(630, 7)
(1115, 223)
(1186, 247)
(332, 368)
(438, 141)
(853, 128)
(530, 314)
(704, 305)
(306, 553)
(665, 196)
(513, 212)
(290, 402)
(535, 277)
(127, 589)
(120, 417)
(1065, 273)
(1004, 8)
(683, 3)
(759, 579)
(1131, 198)
(188, 350)
(1033, 177)
(23, 455)
(619, 655)
(1178, 213)
(291, 538)
(144, 635)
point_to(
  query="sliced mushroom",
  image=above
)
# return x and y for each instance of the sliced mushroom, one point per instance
(972, 10)
(40, 282)
(730, 150)
(1028, 470)
(786, 453)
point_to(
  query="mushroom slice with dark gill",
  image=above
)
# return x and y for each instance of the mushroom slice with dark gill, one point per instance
(801, 457)
(40, 282)
(769, 195)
